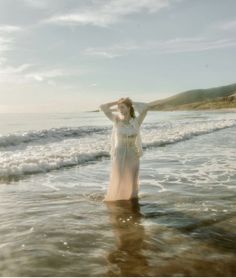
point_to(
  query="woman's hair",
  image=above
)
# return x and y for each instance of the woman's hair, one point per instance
(128, 102)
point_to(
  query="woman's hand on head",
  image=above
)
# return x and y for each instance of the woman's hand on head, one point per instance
(124, 98)
(120, 99)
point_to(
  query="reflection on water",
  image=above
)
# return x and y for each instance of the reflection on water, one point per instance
(154, 239)
(183, 224)
(128, 258)
(65, 233)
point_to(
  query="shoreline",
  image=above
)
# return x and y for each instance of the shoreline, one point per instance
(174, 110)
(202, 110)
(224, 109)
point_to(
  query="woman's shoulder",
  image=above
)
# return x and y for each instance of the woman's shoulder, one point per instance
(135, 121)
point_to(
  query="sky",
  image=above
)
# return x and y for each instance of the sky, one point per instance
(73, 55)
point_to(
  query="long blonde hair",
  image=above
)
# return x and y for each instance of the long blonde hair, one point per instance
(128, 102)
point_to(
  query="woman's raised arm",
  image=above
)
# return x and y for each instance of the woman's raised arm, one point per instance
(105, 107)
(142, 109)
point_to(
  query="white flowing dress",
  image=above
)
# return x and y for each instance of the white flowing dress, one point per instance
(126, 149)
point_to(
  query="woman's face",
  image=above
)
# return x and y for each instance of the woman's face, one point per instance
(123, 109)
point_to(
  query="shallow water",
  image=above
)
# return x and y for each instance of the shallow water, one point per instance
(53, 220)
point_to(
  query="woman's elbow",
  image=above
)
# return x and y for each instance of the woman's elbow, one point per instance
(101, 106)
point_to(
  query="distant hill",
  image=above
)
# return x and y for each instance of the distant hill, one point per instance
(212, 98)
(198, 99)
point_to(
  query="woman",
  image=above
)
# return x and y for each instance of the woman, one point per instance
(126, 147)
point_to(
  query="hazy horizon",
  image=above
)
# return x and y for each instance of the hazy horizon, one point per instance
(68, 56)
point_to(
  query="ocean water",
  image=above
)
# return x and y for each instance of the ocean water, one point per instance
(54, 172)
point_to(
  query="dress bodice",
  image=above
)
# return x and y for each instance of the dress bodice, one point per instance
(127, 134)
(126, 129)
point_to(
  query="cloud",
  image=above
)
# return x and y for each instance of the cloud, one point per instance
(103, 13)
(12, 74)
(227, 25)
(47, 75)
(113, 51)
(43, 75)
(18, 69)
(52, 74)
(93, 85)
(5, 45)
(5, 29)
(194, 44)
(7, 40)
(26, 74)
(176, 45)
(6, 37)
(37, 4)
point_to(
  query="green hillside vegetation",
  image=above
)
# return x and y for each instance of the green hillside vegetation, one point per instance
(213, 98)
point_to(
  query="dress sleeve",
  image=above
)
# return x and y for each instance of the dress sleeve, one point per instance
(107, 111)
(142, 109)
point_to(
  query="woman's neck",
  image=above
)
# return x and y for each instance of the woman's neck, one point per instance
(127, 118)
